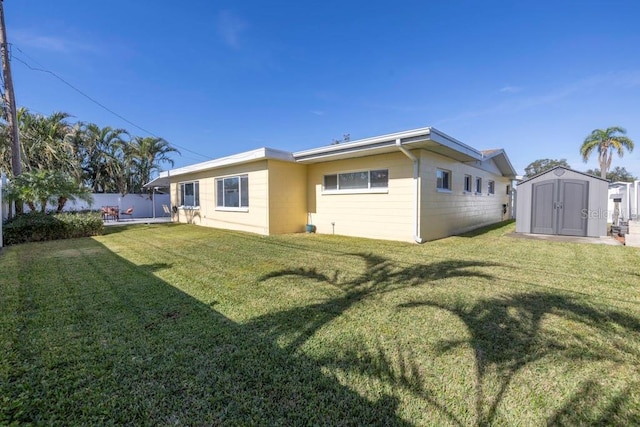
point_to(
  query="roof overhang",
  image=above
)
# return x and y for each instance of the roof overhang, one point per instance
(503, 163)
(429, 139)
(233, 160)
(162, 181)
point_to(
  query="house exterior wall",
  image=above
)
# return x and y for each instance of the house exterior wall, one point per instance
(445, 213)
(386, 215)
(597, 202)
(255, 219)
(287, 197)
(284, 196)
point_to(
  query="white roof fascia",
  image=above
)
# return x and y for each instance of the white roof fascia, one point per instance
(362, 144)
(407, 138)
(162, 180)
(450, 142)
(235, 159)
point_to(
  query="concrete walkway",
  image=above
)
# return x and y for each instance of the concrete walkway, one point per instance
(632, 238)
(608, 240)
(134, 221)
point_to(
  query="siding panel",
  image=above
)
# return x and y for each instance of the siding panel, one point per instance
(384, 216)
(448, 213)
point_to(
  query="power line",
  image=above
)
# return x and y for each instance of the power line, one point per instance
(98, 103)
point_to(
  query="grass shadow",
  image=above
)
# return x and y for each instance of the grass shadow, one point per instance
(489, 228)
(379, 276)
(125, 227)
(506, 336)
(132, 349)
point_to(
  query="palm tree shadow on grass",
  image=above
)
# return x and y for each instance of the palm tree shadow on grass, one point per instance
(380, 276)
(140, 351)
(506, 335)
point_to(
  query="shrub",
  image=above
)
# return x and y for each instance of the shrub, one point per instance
(37, 226)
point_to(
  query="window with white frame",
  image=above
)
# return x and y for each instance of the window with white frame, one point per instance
(232, 192)
(353, 181)
(443, 179)
(478, 188)
(491, 187)
(468, 183)
(190, 194)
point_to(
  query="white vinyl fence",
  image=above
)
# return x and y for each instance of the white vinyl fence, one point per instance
(144, 205)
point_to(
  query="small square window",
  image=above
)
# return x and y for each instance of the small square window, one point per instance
(443, 179)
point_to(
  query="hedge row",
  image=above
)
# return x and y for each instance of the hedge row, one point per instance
(37, 227)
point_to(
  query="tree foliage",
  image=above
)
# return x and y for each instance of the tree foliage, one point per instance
(104, 159)
(617, 174)
(538, 166)
(605, 142)
(38, 188)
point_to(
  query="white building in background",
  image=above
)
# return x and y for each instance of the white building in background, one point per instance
(629, 201)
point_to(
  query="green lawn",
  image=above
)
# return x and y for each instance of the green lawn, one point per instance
(186, 325)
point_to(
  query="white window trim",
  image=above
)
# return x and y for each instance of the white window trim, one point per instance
(375, 190)
(489, 192)
(186, 207)
(230, 208)
(370, 190)
(478, 187)
(443, 189)
(470, 190)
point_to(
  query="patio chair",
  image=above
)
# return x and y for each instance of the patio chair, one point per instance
(112, 213)
(128, 212)
(166, 210)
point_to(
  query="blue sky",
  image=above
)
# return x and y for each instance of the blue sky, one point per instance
(220, 77)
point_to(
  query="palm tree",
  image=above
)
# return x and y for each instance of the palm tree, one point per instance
(147, 154)
(102, 151)
(44, 142)
(606, 141)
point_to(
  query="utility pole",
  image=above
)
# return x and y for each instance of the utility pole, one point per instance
(10, 103)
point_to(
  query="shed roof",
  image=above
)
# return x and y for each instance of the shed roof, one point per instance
(562, 167)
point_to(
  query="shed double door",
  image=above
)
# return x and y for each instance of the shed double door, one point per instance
(560, 206)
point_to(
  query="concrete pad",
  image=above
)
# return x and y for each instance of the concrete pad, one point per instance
(633, 237)
(605, 240)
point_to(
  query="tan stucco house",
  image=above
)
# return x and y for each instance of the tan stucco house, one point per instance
(416, 185)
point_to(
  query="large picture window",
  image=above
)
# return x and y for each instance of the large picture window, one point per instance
(190, 194)
(232, 192)
(364, 180)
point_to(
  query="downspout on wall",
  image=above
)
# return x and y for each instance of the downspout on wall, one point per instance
(416, 177)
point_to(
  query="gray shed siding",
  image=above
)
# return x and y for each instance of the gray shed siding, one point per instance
(594, 212)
